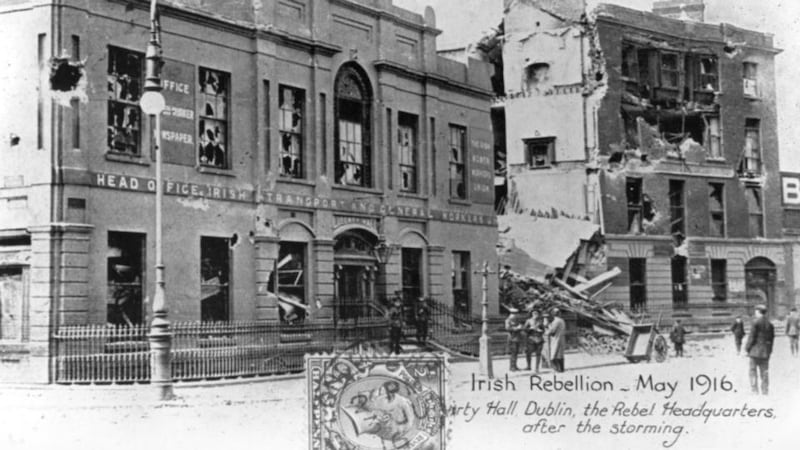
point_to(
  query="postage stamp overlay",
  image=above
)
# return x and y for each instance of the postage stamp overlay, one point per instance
(365, 402)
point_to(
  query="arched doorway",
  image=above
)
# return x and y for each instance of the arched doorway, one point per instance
(355, 271)
(759, 277)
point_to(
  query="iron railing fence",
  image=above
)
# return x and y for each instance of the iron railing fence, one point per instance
(204, 350)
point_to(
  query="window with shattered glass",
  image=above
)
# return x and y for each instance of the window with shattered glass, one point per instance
(407, 148)
(213, 148)
(677, 207)
(291, 104)
(708, 73)
(289, 272)
(353, 132)
(124, 122)
(670, 70)
(716, 208)
(750, 79)
(755, 210)
(125, 278)
(214, 279)
(752, 147)
(458, 174)
(633, 195)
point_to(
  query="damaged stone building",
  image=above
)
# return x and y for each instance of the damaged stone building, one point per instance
(320, 150)
(660, 129)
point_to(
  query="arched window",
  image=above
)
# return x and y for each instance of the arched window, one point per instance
(353, 133)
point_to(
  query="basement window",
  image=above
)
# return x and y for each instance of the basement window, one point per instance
(124, 89)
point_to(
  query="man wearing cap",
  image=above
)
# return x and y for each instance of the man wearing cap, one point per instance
(557, 333)
(759, 348)
(395, 324)
(515, 327)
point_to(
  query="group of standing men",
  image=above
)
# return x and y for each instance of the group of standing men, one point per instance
(531, 333)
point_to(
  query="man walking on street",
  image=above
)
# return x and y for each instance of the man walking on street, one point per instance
(793, 330)
(759, 348)
(678, 337)
(557, 333)
(515, 327)
(395, 325)
(738, 333)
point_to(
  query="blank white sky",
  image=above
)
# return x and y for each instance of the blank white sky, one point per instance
(464, 21)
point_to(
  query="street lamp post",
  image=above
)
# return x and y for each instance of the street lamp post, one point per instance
(152, 103)
(484, 354)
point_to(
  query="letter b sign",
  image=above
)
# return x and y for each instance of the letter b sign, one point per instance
(791, 189)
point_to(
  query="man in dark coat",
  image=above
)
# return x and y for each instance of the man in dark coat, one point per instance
(678, 337)
(738, 333)
(793, 330)
(515, 326)
(759, 348)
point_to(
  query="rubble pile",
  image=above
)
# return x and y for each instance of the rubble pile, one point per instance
(595, 343)
(526, 293)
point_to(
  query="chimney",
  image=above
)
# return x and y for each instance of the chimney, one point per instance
(681, 9)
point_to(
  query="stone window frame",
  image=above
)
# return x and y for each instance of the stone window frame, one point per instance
(540, 160)
(408, 152)
(353, 114)
(457, 140)
(716, 209)
(750, 79)
(752, 158)
(755, 210)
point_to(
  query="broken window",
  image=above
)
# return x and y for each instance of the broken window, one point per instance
(536, 74)
(460, 270)
(637, 270)
(291, 104)
(214, 279)
(630, 63)
(676, 208)
(719, 279)
(676, 128)
(11, 301)
(407, 147)
(680, 295)
(670, 70)
(291, 288)
(716, 208)
(647, 69)
(707, 74)
(750, 79)
(633, 194)
(713, 138)
(213, 142)
(458, 173)
(540, 152)
(353, 136)
(755, 210)
(751, 164)
(125, 275)
(124, 89)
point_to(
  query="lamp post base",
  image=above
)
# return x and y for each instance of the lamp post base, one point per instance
(485, 358)
(160, 358)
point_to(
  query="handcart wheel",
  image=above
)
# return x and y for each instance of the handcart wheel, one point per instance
(660, 349)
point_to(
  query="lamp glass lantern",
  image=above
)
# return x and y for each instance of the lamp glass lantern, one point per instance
(152, 103)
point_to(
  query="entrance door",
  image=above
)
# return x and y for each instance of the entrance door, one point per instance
(760, 275)
(354, 290)
(412, 281)
(679, 294)
(11, 292)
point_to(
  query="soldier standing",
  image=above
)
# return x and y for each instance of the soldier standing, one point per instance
(515, 328)
(423, 317)
(395, 325)
(534, 328)
(738, 333)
